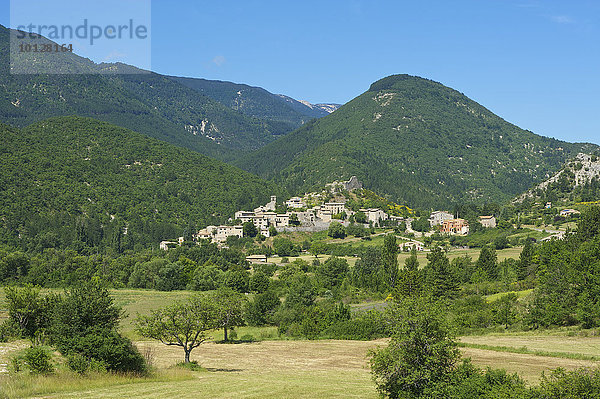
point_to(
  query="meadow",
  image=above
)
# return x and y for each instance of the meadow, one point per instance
(280, 368)
(283, 369)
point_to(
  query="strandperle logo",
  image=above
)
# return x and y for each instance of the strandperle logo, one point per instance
(85, 31)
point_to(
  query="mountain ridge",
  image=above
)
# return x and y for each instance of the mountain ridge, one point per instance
(417, 141)
(148, 103)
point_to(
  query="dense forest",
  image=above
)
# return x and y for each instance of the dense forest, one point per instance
(78, 183)
(145, 102)
(416, 141)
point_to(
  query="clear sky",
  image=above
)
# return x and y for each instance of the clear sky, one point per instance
(534, 63)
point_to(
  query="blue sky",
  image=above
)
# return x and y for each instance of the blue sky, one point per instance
(534, 63)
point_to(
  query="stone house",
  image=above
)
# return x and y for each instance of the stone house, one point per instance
(438, 217)
(374, 215)
(295, 203)
(226, 231)
(488, 222)
(334, 207)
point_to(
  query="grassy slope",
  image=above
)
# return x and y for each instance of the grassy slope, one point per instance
(291, 369)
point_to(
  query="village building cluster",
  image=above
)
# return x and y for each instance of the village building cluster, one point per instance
(301, 211)
(265, 217)
(314, 212)
(448, 224)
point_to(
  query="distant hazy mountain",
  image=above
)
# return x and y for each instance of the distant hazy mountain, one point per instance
(313, 110)
(258, 102)
(78, 182)
(329, 108)
(417, 141)
(148, 103)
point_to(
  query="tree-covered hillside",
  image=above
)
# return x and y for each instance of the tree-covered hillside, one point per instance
(577, 181)
(71, 182)
(416, 141)
(148, 103)
(255, 101)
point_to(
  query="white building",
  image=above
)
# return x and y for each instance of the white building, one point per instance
(165, 245)
(374, 215)
(226, 231)
(295, 203)
(206, 233)
(408, 246)
(438, 217)
(244, 216)
(489, 222)
(569, 212)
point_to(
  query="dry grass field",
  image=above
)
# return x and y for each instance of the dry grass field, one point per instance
(588, 346)
(297, 369)
(292, 368)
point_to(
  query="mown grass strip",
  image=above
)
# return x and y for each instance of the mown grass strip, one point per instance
(526, 351)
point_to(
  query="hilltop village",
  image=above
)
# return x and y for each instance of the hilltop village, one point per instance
(316, 211)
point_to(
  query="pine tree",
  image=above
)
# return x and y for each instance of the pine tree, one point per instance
(410, 280)
(525, 260)
(439, 279)
(390, 260)
(488, 262)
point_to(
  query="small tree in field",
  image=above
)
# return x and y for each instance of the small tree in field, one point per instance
(183, 324)
(229, 309)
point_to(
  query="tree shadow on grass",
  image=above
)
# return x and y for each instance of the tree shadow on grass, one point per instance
(215, 370)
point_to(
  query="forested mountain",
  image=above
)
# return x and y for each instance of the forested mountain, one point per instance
(148, 103)
(418, 142)
(72, 182)
(577, 181)
(256, 101)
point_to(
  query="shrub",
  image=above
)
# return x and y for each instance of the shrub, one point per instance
(109, 348)
(574, 384)
(247, 338)
(9, 330)
(77, 363)
(38, 360)
(192, 366)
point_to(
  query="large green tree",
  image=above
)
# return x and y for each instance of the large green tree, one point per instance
(421, 353)
(183, 324)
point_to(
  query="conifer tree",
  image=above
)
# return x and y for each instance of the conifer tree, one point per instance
(390, 260)
(525, 260)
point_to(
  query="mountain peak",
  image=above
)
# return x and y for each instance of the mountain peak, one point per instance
(395, 82)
